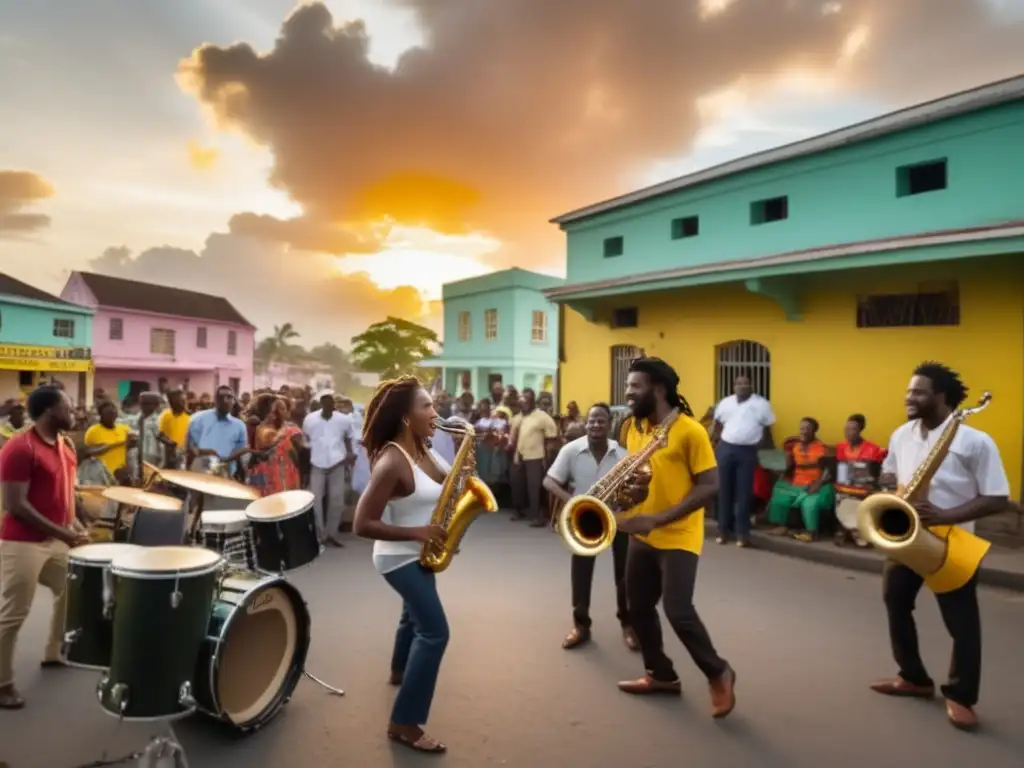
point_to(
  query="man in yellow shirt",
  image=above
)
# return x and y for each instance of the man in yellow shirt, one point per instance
(532, 431)
(667, 532)
(109, 441)
(173, 426)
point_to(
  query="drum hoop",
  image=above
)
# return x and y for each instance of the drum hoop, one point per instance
(279, 518)
(178, 573)
(79, 560)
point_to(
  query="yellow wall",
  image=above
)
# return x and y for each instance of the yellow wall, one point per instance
(823, 365)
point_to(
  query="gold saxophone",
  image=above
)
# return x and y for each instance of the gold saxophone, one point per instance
(945, 556)
(586, 522)
(464, 497)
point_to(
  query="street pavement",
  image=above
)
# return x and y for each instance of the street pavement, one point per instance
(805, 640)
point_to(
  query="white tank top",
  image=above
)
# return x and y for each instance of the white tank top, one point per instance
(412, 511)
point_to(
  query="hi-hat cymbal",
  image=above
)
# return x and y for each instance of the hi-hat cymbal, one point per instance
(211, 485)
(134, 497)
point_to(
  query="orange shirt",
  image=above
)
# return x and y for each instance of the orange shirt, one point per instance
(810, 454)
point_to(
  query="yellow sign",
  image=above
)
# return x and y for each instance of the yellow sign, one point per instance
(17, 357)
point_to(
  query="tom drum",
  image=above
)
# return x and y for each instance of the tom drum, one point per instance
(227, 531)
(284, 531)
(162, 604)
(254, 652)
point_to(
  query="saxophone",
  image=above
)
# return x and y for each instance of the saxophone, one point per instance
(586, 523)
(945, 556)
(464, 497)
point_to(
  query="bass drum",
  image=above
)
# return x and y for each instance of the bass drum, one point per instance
(254, 652)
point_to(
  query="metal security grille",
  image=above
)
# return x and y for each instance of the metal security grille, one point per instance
(746, 358)
(622, 356)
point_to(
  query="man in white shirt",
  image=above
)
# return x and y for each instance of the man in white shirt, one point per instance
(740, 423)
(969, 484)
(330, 436)
(579, 464)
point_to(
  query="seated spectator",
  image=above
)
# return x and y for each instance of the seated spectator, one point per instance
(808, 487)
(858, 466)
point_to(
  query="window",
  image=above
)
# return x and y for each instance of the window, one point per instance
(688, 226)
(920, 178)
(931, 305)
(63, 329)
(201, 337)
(614, 246)
(772, 209)
(622, 356)
(116, 329)
(539, 332)
(465, 332)
(161, 341)
(626, 317)
(743, 358)
(232, 342)
(490, 324)
(235, 384)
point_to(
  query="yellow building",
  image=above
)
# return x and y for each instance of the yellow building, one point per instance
(866, 252)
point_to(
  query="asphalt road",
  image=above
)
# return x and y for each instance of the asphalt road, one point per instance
(805, 640)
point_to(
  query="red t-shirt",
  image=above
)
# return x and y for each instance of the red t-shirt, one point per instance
(866, 452)
(49, 471)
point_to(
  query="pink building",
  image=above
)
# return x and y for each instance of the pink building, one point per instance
(143, 333)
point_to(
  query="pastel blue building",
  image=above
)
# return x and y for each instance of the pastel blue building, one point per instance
(43, 338)
(499, 328)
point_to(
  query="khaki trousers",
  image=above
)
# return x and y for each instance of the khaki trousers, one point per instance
(23, 565)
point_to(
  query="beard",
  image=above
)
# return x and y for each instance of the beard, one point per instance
(643, 407)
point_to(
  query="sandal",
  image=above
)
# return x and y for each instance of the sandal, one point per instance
(11, 699)
(421, 743)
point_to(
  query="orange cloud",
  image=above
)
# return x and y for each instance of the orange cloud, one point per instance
(19, 189)
(202, 158)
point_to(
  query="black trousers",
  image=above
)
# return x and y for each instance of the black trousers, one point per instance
(962, 618)
(582, 576)
(527, 478)
(670, 575)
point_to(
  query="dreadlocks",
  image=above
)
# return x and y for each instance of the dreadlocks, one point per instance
(383, 424)
(662, 373)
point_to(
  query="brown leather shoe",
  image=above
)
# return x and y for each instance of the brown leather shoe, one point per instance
(648, 685)
(577, 637)
(961, 717)
(723, 694)
(630, 639)
(897, 686)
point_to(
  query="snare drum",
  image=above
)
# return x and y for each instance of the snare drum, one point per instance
(284, 531)
(254, 652)
(162, 604)
(227, 531)
(846, 512)
(88, 621)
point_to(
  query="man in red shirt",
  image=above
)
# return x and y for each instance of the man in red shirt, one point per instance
(858, 465)
(37, 527)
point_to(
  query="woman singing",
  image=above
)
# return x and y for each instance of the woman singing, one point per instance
(396, 510)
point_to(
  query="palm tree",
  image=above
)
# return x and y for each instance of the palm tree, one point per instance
(278, 345)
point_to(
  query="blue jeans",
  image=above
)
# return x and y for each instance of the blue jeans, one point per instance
(736, 465)
(420, 642)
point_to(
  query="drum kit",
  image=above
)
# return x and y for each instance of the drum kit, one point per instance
(214, 627)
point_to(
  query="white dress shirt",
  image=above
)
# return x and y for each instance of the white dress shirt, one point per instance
(743, 422)
(972, 467)
(577, 467)
(327, 438)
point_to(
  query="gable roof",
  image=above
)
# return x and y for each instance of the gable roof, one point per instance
(13, 287)
(164, 300)
(972, 100)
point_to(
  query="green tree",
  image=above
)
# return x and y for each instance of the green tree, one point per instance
(338, 360)
(279, 346)
(393, 347)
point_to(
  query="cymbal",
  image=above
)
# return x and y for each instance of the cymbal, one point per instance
(133, 497)
(212, 485)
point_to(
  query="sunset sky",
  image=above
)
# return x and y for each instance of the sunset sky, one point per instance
(330, 164)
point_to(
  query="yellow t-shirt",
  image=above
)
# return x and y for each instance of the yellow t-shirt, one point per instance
(687, 454)
(174, 427)
(115, 458)
(530, 431)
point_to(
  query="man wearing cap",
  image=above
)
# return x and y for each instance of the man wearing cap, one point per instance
(331, 437)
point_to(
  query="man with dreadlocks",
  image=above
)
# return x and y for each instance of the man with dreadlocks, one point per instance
(667, 531)
(969, 484)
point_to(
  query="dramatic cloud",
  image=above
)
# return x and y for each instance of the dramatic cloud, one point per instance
(516, 110)
(19, 189)
(202, 158)
(308, 234)
(270, 285)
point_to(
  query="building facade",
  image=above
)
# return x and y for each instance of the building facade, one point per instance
(43, 339)
(276, 374)
(145, 335)
(499, 327)
(826, 269)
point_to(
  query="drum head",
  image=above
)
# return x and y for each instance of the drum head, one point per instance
(846, 512)
(223, 517)
(100, 553)
(279, 506)
(167, 560)
(259, 650)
